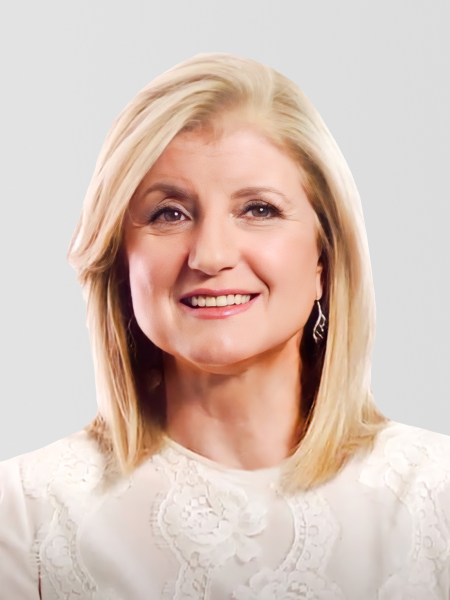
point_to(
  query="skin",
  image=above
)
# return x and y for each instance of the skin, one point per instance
(232, 384)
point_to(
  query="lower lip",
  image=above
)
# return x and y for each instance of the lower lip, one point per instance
(218, 312)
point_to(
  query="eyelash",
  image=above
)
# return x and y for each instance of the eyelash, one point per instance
(276, 212)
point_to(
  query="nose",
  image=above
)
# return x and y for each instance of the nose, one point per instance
(214, 245)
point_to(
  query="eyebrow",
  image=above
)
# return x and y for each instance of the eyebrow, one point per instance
(254, 191)
(182, 194)
(171, 190)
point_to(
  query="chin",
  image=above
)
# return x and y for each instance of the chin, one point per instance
(217, 359)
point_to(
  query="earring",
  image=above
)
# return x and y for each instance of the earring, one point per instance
(319, 327)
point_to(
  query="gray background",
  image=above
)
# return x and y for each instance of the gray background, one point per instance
(378, 74)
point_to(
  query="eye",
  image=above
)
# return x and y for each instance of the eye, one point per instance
(170, 214)
(262, 210)
(259, 210)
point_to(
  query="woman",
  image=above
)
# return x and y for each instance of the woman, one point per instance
(237, 451)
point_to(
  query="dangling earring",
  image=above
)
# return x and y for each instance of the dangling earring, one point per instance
(319, 327)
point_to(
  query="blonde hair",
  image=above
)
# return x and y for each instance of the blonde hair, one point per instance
(338, 409)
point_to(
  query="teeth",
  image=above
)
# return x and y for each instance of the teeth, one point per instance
(219, 300)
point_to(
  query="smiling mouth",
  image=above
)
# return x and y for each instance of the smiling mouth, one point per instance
(202, 301)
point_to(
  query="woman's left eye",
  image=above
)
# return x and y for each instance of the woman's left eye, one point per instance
(262, 210)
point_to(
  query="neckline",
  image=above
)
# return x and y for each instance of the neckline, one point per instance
(265, 474)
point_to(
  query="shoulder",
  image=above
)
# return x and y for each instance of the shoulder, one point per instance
(73, 463)
(418, 447)
(405, 456)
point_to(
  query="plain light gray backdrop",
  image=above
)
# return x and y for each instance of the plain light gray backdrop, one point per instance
(377, 72)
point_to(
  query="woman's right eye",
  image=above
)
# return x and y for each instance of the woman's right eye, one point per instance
(170, 215)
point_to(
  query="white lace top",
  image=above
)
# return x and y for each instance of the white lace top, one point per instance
(184, 527)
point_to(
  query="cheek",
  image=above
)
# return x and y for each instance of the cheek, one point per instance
(288, 265)
(153, 271)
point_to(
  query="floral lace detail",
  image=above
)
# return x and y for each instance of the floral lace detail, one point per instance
(301, 574)
(415, 465)
(66, 474)
(205, 521)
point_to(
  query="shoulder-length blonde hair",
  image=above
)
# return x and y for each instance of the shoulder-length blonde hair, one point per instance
(337, 405)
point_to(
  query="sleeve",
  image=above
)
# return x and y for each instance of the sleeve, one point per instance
(19, 578)
(444, 502)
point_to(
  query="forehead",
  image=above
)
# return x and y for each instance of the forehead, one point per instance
(241, 152)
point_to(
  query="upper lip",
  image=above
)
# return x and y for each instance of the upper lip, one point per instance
(223, 292)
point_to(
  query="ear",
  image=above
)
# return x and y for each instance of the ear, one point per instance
(319, 289)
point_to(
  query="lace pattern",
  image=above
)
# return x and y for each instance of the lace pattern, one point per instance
(301, 575)
(415, 465)
(66, 474)
(205, 521)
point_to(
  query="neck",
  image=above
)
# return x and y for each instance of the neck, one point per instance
(246, 419)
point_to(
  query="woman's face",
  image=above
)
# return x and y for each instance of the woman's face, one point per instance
(225, 219)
